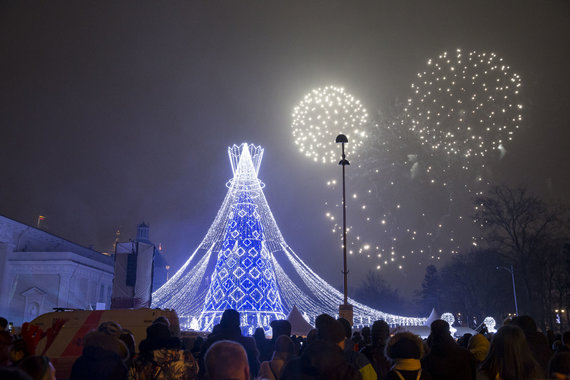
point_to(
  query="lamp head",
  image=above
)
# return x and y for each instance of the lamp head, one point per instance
(341, 139)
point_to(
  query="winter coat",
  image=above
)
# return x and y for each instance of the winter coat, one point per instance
(167, 364)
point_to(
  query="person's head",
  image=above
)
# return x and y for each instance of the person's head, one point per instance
(226, 360)
(128, 339)
(38, 367)
(526, 323)
(230, 320)
(3, 324)
(509, 356)
(162, 320)
(107, 339)
(440, 334)
(110, 328)
(259, 333)
(284, 345)
(380, 333)
(13, 373)
(566, 338)
(157, 332)
(559, 366)
(329, 329)
(404, 345)
(347, 328)
(19, 351)
(479, 346)
(366, 334)
(312, 336)
(464, 340)
(5, 347)
(280, 327)
(439, 327)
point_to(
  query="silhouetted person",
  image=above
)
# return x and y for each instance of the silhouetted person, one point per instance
(38, 367)
(509, 357)
(162, 353)
(12, 373)
(366, 337)
(565, 346)
(3, 324)
(284, 351)
(357, 359)
(324, 357)
(446, 360)
(264, 345)
(5, 348)
(103, 355)
(406, 349)
(230, 330)
(375, 351)
(537, 341)
(559, 366)
(478, 345)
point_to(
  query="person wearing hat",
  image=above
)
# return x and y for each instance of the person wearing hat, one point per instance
(103, 355)
(406, 349)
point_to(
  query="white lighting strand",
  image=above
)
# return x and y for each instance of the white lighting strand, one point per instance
(187, 291)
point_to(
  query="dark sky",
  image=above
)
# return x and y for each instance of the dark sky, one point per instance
(112, 113)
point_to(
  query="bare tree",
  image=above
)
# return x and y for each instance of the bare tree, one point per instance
(524, 229)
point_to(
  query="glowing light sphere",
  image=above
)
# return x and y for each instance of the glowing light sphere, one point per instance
(449, 318)
(490, 324)
(321, 116)
(465, 104)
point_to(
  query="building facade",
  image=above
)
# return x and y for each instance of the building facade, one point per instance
(40, 271)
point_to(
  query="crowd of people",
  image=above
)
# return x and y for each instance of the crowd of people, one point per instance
(517, 351)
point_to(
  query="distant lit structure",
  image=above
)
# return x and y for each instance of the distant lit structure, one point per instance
(244, 263)
(490, 324)
(140, 269)
(40, 271)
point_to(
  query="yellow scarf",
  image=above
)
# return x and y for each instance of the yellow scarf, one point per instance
(407, 364)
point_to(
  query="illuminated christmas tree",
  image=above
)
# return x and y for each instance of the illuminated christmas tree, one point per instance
(244, 263)
(243, 277)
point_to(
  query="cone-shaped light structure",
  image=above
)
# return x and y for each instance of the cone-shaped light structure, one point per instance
(244, 263)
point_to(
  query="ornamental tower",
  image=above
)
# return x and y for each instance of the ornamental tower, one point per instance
(244, 277)
(244, 263)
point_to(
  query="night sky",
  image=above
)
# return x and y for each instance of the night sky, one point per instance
(113, 113)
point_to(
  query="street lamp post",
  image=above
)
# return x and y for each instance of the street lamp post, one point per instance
(512, 272)
(345, 310)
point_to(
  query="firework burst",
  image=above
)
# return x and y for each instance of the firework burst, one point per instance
(465, 105)
(321, 116)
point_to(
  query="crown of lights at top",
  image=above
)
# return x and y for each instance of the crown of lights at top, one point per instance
(465, 104)
(321, 116)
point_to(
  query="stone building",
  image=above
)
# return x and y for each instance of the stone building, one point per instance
(40, 271)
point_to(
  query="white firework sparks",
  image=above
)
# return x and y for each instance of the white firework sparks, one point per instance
(321, 116)
(465, 104)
